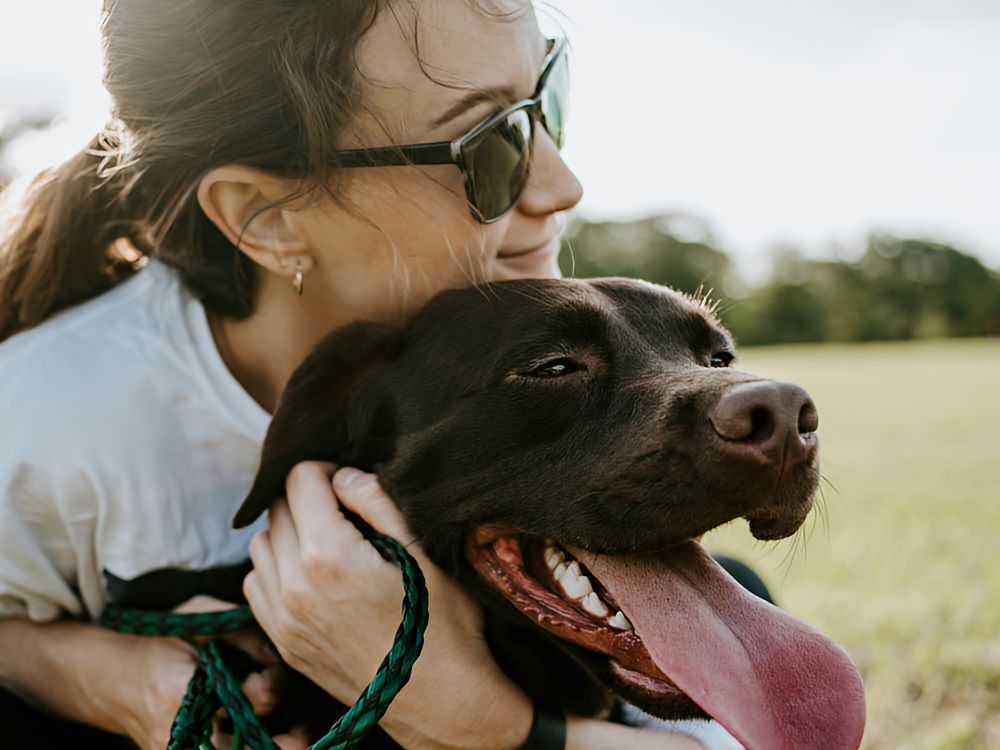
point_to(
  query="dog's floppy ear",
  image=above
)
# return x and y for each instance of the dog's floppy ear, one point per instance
(327, 411)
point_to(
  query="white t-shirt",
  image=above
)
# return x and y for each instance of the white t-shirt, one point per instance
(126, 446)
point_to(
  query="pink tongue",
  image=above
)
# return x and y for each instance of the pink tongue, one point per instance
(772, 681)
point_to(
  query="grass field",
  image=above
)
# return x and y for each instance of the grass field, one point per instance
(901, 565)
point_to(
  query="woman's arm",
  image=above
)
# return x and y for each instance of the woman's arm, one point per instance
(123, 684)
(330, 604)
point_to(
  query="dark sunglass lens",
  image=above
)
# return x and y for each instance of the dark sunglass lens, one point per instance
(498, 164)
(554, 99)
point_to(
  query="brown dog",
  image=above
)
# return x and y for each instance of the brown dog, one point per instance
(557, 446)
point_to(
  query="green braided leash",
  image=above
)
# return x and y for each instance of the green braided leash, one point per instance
(213, 686)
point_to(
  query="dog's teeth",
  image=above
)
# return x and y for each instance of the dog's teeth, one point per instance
(573, 582)
(593, 604)
(553, 556)
(576, 588)
(619, 621)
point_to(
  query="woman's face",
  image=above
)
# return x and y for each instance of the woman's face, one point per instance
(397, 235)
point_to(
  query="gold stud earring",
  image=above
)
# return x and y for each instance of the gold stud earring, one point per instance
(297, 282)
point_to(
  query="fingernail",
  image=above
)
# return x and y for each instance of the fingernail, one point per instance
(346, 477)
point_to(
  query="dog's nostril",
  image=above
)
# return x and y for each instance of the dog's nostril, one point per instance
(808, 418)
(761, 424)
(737, 419)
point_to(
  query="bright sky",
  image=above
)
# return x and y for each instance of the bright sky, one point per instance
(807, 122)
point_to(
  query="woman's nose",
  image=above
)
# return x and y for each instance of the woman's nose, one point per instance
(552, 186)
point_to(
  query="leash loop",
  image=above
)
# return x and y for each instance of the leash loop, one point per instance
(213, 686)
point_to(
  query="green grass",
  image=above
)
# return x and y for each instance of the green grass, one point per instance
(900, 562)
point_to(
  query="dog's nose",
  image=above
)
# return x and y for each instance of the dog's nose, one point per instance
(774, 420)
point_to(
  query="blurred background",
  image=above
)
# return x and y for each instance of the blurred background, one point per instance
(830, 169)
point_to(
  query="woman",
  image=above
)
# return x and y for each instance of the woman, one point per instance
(240, 165)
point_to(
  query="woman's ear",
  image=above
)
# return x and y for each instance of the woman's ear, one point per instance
(240, 201)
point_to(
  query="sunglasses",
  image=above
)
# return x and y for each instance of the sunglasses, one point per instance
(495, 156)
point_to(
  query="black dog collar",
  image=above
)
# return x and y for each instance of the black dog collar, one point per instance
(548, 732)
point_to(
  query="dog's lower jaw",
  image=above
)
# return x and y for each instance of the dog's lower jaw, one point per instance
(613, 658)
(788, 508)
(558, 675)
(541, 667)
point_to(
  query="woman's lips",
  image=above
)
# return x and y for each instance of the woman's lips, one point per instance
(549, 248)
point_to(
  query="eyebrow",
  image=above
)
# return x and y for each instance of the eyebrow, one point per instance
(495, 95)
(501, 95)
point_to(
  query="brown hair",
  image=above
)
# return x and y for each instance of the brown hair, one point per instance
(195, 85)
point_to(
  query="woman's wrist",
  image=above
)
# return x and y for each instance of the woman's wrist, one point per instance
(477, 711)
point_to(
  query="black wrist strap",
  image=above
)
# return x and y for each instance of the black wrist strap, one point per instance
(548, 732)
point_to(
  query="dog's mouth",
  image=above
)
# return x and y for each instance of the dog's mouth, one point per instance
(550, 586)
(676, 634)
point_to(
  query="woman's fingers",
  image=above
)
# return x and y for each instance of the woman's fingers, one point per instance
(263, 689)
(361, 492)
(295, 739)
(255, 645)
(314, 512)
(284, 541)
(165, 666)
(310, 523)
(203, 603)
(323, 594)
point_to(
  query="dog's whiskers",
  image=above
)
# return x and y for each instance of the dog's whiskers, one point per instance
(832, 486)
(823, 512)
(788, 560)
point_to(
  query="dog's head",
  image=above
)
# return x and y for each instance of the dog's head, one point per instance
(558, 446)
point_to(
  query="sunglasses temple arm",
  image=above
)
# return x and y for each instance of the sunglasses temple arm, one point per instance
(395, 156)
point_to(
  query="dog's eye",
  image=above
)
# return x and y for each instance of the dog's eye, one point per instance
(555, 368)
(722, 359)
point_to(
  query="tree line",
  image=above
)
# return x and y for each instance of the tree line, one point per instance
(899, 288)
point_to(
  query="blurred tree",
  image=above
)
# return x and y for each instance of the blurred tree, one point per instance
(780, 313)
(917, 288)
(898, 289)
(648, 249)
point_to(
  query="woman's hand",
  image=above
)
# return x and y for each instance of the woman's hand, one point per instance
(123, 684)
(164, 666)
(157, 673)
(331, 605)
